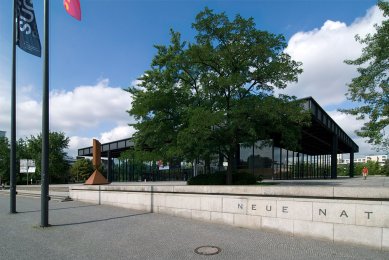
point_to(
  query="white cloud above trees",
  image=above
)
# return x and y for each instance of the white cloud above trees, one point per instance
(325, 77)
(323, 51)
(90, 110)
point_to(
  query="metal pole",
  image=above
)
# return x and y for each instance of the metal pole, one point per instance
(13, 118)
(351, 165)
(45, 123)
(334, 153)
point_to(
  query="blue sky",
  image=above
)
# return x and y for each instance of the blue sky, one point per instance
(92, 60)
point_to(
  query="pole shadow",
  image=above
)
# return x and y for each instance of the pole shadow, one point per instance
(98, 220)
(38, 210)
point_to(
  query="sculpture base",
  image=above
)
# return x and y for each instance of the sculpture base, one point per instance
(96, 179)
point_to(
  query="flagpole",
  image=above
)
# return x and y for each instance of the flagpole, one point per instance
(13, 118)
(45, 123)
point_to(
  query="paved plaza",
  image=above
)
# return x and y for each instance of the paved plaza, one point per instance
(87, 231)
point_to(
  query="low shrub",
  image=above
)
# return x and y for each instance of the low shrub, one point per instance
(219, 178)
(243, 178)
(208, 179)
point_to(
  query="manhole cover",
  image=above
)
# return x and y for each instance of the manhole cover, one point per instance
(207, 250)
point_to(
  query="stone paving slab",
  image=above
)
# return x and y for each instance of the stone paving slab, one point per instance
(87, 231)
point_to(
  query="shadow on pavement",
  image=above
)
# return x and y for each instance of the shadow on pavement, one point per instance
(38, 210)
(99, 220)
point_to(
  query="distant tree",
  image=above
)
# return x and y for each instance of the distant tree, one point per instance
(343, 169)
(371, 88)
(81, 169)
(4, 160)
(385, 168)
(372, 166)
(209, 96)
(58, 167)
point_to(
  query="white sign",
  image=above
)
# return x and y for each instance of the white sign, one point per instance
(27, 166)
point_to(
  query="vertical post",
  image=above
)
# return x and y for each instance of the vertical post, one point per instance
(45, 123)
(351, 165)
(293, 167)
(334, 156)
(287, 164)
(272, 164)
(253, 160)
(109, 166)
(12, 194)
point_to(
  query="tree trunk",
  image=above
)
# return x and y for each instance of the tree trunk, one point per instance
(231, 165)
(207, 165)
(233, 154)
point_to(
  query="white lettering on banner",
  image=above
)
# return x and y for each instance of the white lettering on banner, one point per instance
(27, 17)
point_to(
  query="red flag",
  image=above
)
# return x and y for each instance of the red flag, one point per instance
(73, 8)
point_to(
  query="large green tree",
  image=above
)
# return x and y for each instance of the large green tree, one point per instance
(209, 96)
(58, 167)
(370, 89)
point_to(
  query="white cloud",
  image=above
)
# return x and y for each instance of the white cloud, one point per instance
(348, 123)
(85, 109)
(77, 142)
(88, 106)
(323, 51)
(119, 132)
(5, 105)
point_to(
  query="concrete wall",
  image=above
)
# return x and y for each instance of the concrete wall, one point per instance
(327, 213)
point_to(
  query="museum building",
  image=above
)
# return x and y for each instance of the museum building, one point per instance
(316, 158)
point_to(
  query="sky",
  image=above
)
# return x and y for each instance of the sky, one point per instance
(92, 61)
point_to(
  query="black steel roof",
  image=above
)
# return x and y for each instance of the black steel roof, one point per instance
(317, 139)
(115, 148)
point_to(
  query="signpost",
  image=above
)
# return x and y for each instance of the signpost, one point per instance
(27, 166)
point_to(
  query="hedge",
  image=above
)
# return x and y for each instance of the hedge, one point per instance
(219, 178)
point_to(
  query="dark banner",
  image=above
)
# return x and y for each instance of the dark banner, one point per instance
(27, 31)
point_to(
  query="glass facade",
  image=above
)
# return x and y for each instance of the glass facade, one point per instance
(261, 159)
(256, 159)
(272, 162)
(128, 170)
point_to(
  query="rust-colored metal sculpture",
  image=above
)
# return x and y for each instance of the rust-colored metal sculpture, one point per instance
(96, 178)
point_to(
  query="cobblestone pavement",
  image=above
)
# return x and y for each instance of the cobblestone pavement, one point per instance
(87, 231)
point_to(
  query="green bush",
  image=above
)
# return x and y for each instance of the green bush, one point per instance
(385, 168)
(208, 179)
(374, 168)
(243, 179)
(219, 178)
(343, 169)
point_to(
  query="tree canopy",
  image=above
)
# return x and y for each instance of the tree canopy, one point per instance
(4, 159)
(58, 167)
(209, 96)
(370, 89)
(30, 148)
(81, 169)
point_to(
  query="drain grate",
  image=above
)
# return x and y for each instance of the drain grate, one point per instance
(207, 250)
